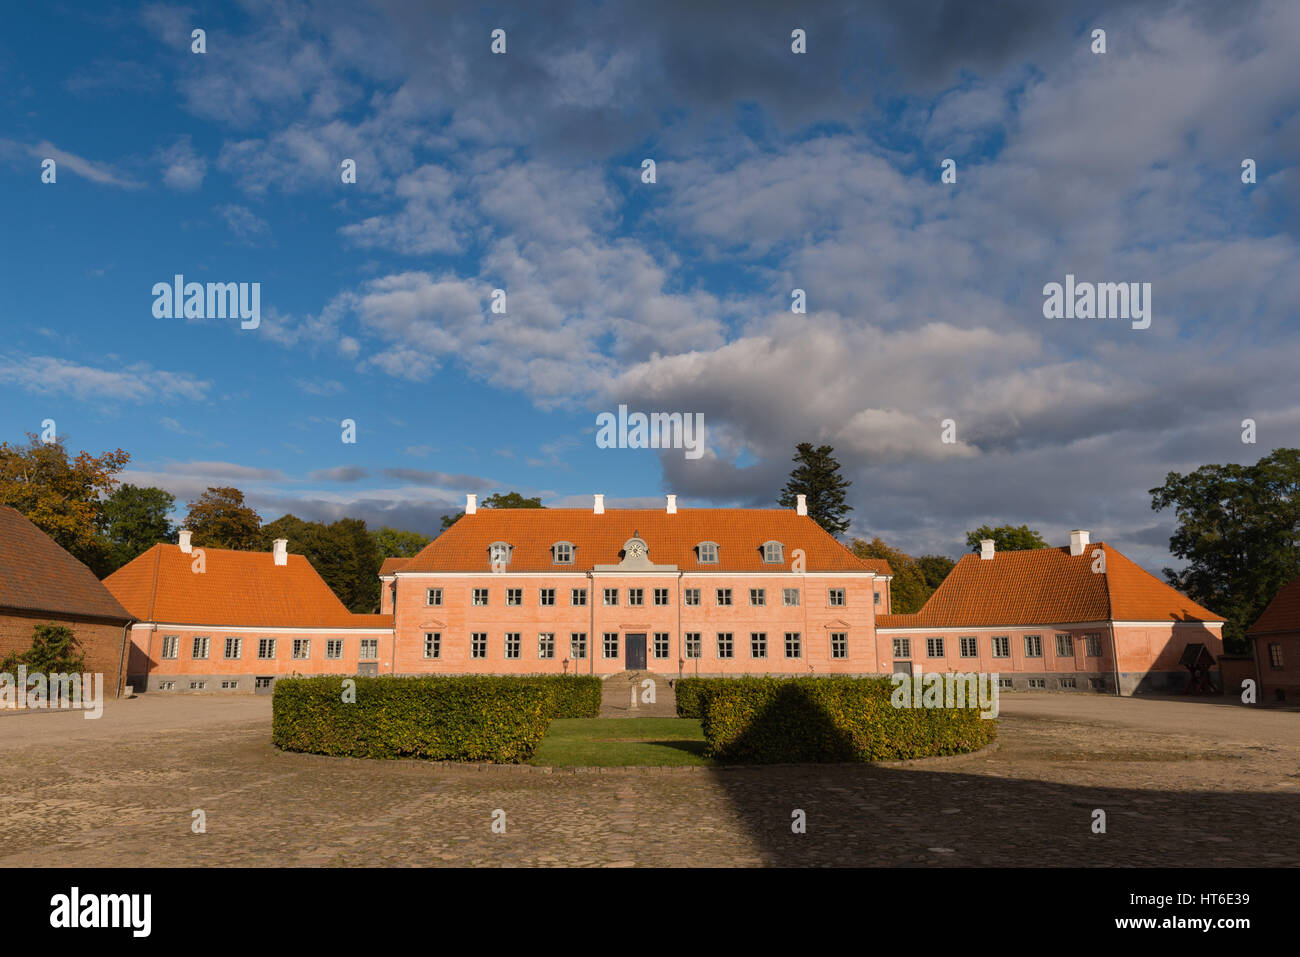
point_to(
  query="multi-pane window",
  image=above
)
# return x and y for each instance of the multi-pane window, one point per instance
(836, 597)
(790, 596)
(636, 596)
(1092, 645)
(480, 596)
(611, 644)
(514, 596)
(546, 644)
(170, 645)
(1275, 655)
(969, 647)
(1033, 646)
(478, 644)
(661, 644)
(708, 552)
(772, 553)
(724, 596)
(758, 596)
(725, 646)
(1001, 646)
(200, 648)
(661, 596)
(433, 644)
(611, 596)
(302, 648)
(499, 554)
(433, 596)
(793, 645)
(693, 644)
(563, 553)
(691, 596)
(1064, 646)
(875, 600)
(266, 648)
(839, 644)
(546, 596)
(369, 649)
(334, 648)
(934, 647)
(902, 647)
(578, 644)
(757, 644)
(513, 644)
(578, 596)
(234, 647)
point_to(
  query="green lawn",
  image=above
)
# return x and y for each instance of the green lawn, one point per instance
(618, 742)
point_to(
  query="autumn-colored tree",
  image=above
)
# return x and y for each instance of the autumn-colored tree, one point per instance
(908, 591)
(61, 496)
(220, 519)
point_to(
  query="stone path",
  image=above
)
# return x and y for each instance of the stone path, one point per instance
(1210, 786)
(620, 691)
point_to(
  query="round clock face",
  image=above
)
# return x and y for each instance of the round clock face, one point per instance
(637, 550)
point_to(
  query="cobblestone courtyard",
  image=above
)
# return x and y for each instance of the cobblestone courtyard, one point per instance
(1182, 782)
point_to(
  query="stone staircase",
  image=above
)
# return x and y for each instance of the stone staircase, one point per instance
(617, 694)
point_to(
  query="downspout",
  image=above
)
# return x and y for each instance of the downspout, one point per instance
(121, 661)
(681, 658)
(591, 628)
(1114, 657)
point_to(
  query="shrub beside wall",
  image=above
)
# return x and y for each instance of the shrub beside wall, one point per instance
(440, 718)
(778, 720)
(689, 693)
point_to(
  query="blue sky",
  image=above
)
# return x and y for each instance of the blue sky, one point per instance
(775, 171)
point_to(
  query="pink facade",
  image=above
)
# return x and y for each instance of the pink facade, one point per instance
(809, 625)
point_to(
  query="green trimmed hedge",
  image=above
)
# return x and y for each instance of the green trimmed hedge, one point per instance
(690, 691)
(574, 696)
(797, 720)
(443, 718)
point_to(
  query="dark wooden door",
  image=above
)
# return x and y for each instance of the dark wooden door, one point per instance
(636, 652)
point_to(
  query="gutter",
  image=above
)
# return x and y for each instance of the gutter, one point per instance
(591, 628)
(121, 661)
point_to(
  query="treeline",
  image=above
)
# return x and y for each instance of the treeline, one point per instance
(79, 503)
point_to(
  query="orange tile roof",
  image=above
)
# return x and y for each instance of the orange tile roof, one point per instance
(1282, 613)
(36, 574)
(738, 532)
(391, 565)
(1048, 586)
(236, 589)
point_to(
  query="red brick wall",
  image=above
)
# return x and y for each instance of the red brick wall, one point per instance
(100, 643)
(1286, 678)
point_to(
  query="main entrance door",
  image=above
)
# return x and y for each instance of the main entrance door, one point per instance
(636, 652)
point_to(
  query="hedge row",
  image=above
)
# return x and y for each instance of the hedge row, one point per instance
(796, 720)
(451, 718)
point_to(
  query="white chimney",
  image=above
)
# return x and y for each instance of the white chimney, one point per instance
(1078, 541)
(986, 549)
(280, 549)
(801, 505)
(598, 506)
(186, 547)
(672, 504)
(471, 504)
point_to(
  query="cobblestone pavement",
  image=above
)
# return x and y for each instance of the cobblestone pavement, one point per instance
(1181, 782)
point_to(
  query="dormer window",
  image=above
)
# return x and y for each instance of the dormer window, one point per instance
(707, 553)
(499, 554)
(562, 553)
(773, 553)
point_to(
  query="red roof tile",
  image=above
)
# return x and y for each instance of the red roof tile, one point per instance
(37, 575)
(235, 589)
(738, 532)
(1048, 586)
(391, 565)
(1282, 613)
